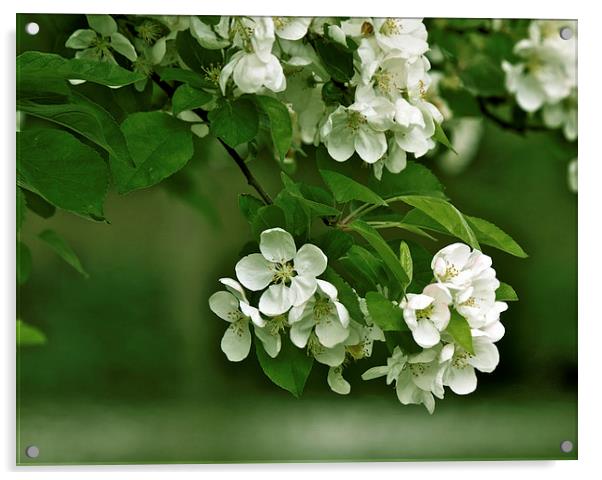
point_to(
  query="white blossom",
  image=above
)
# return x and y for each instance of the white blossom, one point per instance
(427, 314)
(289, 274)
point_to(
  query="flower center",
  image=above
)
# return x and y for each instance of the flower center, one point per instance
(460, 360)
(283, 273)
(359, 351)
(281, 22)
(355, 120)
(149, 31)
(236, 316)
(277, 324)
(212, 73)
(425, 313)
(322, 308)
(450, 272)
(385, 82)
(471, 302)
(416, 369)
(390, 27)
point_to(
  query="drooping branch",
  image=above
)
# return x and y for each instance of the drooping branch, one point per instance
(251, 180)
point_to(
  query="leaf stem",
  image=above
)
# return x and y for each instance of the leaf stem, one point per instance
(251, 180)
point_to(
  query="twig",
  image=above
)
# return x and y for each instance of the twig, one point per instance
(251, 180)
(505, 124)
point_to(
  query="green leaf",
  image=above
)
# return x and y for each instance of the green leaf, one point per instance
(169, 74)
(405, 258)
(489, 234)
(415, 179)
(315, 203)
(384, 251)
(345, 189)
(384, 313)
(335, 243)
(297, 215)
(289, 370)
(235, 122)
(85, 118)
(421, 267)
(441, 137)
(346, 295)
(62, 170)
(28, 335)
(63, 250)
(337, 60)
(280, 123)
(42, 67)
(270, 216)
(188, 98)
(249, 206)
(403, 340)
(445, 214)
(194, 56)
(159, 145)
(505, 293)
(23, 263)
(365, 268)
(38, 205)
(459, 329)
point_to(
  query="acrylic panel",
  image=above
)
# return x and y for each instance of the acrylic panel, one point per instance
(285, 239)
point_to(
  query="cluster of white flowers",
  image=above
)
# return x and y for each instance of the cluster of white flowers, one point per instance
(293, 298)
(389, 115)
(466, 283)
(546, 78)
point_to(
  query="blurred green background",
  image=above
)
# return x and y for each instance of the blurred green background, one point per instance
(132, 371)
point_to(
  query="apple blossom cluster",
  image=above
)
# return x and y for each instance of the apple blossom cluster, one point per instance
(464, 288)
(388, 116)
(292, 298)
(294, 301)
(545, 79)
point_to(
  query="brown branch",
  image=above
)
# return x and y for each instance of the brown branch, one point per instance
(251, 180)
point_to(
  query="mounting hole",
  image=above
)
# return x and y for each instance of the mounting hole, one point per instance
(32, 28)
(566, 446)
(32, 451)
(566, 33)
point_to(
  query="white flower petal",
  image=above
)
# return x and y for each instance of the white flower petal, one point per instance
(336, 382)
(254, 271)
(375, 372)
(486, 356)
(300, 331)
(224, 305)
(252, 313)
(333, 357)
(271, 343)
(276, 300)
(330, 332)
(462, 381)
(277, 245)
(342, 313)
(234, 288)
(301, 289)
(426, 334)
(370, 145)
(328, 289)
(310, 260)
(236, 342)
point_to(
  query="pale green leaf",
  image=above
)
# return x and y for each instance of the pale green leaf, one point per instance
(460, 330)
